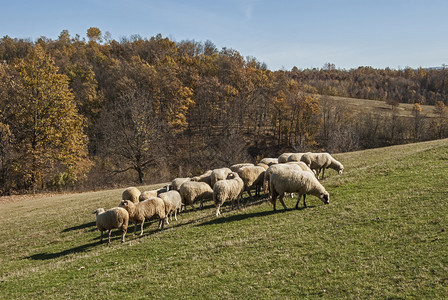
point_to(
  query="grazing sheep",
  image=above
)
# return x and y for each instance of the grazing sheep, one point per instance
(219, 174)
(236, 167)
(301, 164)
(283, 158)
(177, 182)
(147, 195)
(295, 157)
(153, 193)
(138, 212)
(253, 177)
(290, 181)
(206, 177)
(229, 189)
(269, 161)
(173, 204)
(265, 166)
(116, 217)
(273, 168)
(191, 191)
(321, 161)
(131, 193)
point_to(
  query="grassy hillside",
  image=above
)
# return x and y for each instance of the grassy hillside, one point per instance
(383, 235)
(379, 107)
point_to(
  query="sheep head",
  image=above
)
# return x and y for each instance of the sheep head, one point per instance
(98, 211)
(325, 197)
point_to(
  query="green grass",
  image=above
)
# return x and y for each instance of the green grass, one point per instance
(383, 235)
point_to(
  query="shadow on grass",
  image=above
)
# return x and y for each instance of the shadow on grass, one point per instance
(78, 249)
(82, 226)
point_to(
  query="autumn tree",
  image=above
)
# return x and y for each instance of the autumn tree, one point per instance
(94, 34)
(46, 128)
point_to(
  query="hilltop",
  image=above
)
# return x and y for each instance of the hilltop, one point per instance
(383, 235)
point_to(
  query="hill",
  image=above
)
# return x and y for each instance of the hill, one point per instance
(357, 105)
(383, 235)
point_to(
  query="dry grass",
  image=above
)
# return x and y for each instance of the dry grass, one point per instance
(379, 107)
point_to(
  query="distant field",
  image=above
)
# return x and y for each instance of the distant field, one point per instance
(380, 107)
(384, 235)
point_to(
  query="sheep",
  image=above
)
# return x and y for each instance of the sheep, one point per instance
(177, 182)
(230, 189)
(321, 161)
(116, 217)
(219, 174)
(283, 158)
(153, 193)
(269, 161)
(265, 166)
(138, 212)
(206, 177)
(173, 204)
(131, 193)
(303, 182)
(147, 195)
(236, 167)
(192, 191)
(273, 168)
(252, 176)
(295, 157)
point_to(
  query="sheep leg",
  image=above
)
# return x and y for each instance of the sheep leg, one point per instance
(135, 228)
(175, 214)
(123, 233)
(298, 200)
(162, 223)
(304, 202)
(166, 221)
(141, 227)
(281, 201)
(108, 241)
(274, 199)
(217, 210)
(101, 238)
(323, 171)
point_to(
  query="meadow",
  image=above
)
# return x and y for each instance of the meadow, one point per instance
(383, 235)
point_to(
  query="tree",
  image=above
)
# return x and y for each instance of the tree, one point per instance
(134, 135)
(417, 127)
(45, 124)
(94, 34)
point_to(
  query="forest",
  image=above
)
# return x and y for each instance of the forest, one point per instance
(85, 114)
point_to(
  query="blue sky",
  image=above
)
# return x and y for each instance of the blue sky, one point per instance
(283, 34)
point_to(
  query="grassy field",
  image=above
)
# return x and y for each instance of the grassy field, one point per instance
(379, 107)
(383, 235)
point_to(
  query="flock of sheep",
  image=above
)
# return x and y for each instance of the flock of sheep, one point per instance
(289, 173)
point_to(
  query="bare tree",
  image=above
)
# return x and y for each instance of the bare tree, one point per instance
(134, 135)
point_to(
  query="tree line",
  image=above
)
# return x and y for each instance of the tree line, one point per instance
(95, 113)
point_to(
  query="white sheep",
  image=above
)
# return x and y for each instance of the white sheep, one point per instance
(152, 193)
(116, 217)
(219, 174)
(269, 161)
(206, 177)
(192, 191)
(321, 161)
(295, 157)
(273, 168)
(283, 158)
(131, 193)
(296, 181)
(173, 204)
(253, 177)
(229, 189)
(236, 167)
(177, 182)
(147, 195)
(140, 211)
